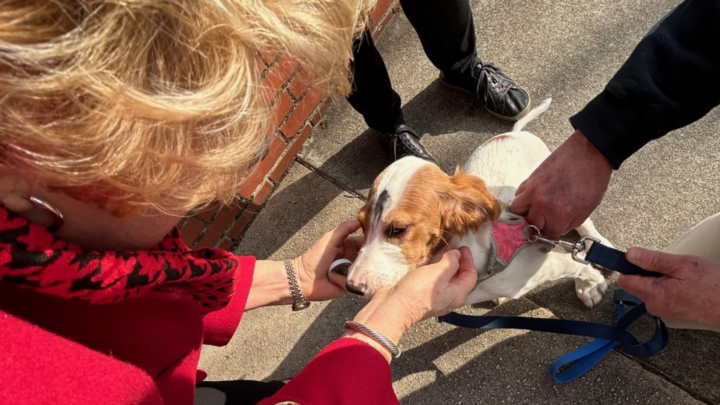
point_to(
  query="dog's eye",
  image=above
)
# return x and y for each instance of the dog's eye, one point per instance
(395, 231)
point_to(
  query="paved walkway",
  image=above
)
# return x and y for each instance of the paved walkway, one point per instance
(559, 48)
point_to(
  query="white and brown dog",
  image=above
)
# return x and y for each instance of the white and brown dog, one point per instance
(415, 212)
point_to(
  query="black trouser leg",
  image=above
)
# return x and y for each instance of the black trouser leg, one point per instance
(373, 95)
(446, 31)
(240, 392)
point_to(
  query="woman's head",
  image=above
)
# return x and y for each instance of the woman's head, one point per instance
(145, 105)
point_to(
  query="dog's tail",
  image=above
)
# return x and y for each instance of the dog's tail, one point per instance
(534, 113)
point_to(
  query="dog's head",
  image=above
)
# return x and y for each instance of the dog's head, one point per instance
(412, 212)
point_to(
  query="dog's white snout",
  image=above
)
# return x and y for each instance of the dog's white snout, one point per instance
(359, 275)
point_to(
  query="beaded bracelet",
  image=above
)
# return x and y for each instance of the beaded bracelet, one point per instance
(300, 301)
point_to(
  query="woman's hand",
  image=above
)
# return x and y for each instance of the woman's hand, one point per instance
(687, 291)
(436, 289)
(312, 267)
(426, 292)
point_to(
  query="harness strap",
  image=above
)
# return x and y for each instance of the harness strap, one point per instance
(579, 361)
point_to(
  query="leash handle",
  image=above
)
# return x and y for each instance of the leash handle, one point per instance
(614, 259)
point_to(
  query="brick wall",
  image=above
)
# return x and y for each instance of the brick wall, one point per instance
(299, 110)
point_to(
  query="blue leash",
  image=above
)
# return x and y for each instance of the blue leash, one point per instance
(581, 360)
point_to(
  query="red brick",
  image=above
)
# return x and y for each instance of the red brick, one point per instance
(283, 106)
(287, 159)
(206, 214)
(326, 104)
(379, 10)
(312, 99)
(222, 221)
(293, 124)
(268, 57)
(316, 118)
(262, 194)
(192, 229)
(225, 244)
(381, 26)
(276, 148)
(301, 113)
(320, 113)
(297, 86)
(278, 75)
(241, 224)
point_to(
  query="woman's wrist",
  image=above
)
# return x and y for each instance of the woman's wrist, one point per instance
(384, 351)
(388, 316)
(303, 277)
(270, 285)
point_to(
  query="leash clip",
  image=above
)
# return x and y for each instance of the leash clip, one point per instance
(576, 248)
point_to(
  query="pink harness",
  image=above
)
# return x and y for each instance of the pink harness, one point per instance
(508, 237)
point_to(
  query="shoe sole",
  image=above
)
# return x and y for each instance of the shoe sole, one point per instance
(493, 113)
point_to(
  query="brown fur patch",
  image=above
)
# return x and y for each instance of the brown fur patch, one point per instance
(435, 206)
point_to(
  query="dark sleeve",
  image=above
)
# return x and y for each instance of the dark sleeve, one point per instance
(670, 80)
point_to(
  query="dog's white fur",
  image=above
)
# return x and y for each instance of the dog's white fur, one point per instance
(503, 163)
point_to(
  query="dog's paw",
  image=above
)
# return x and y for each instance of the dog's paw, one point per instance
(590, 292)
(500, 301)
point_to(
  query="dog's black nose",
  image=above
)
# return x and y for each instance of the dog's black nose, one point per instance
(355, 289)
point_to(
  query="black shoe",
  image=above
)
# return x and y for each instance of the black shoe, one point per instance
(403, 141)
(499, 94)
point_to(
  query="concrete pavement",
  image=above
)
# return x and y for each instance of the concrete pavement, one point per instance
(561, 49)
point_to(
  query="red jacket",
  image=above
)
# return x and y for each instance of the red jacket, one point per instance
(146, 350)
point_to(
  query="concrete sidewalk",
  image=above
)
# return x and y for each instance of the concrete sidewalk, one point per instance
(561, 49)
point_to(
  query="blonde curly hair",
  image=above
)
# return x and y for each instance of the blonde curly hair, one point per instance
(155, 104)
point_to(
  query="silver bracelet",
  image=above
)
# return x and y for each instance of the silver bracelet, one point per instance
(360, 328)
(300, 301)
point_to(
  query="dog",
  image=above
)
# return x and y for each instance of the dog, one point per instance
(415, 212)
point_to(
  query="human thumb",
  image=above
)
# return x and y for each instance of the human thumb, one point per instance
(653, 260)
(466, 276)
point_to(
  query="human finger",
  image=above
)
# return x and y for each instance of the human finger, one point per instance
(466, 276)
(339, 280)
(639, 286)
(521, 203)
(449, 264)
(534, 217)
(350, 247)
(341, 232)
(555, 227)
(665, 263)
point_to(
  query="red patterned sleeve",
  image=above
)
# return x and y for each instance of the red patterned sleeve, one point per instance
(221, 325)
(348, 371)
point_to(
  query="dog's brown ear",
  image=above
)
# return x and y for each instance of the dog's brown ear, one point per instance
(465, 203)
